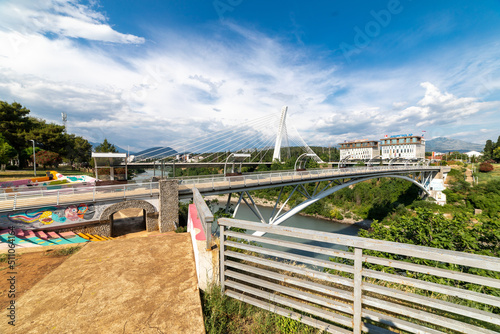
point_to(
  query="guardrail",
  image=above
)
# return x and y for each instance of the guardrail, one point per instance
(205, 215)
(361, 289)
(279, 176)
(13, 201)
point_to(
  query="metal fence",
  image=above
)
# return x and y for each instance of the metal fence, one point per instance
(277, 177)
(368, 285)
(40, 197)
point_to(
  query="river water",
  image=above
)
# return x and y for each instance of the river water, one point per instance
(305, 222)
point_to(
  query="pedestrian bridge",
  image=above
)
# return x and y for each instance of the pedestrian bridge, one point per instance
(46, 207)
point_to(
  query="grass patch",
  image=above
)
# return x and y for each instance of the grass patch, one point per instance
(181, 229)
(3, 257)
(63, 251)
(493, 175)
(223, 314)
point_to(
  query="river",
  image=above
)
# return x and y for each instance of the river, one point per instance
(305, 222)
(299, 221)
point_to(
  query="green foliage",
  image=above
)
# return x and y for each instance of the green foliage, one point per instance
(106, 146)
(7, 152)
(335, 214)
(14, 124)
(64, 251)
(223, 314)
(181, 229)
(488, 150)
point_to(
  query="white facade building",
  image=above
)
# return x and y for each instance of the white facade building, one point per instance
(363, 149)
(403, 146)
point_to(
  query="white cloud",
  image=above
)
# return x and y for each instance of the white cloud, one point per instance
(187, 85)
(63, 18)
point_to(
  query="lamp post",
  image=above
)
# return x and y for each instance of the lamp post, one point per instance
(34, 156)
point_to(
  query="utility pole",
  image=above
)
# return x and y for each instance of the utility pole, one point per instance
(34, 156)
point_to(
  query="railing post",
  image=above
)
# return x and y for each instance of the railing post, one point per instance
(258, 181)
(15, 201)
(213, 188)
(57, 197)
(222, 247)
(151, 188)
(124, 191)
(93, 195)
(358, 291)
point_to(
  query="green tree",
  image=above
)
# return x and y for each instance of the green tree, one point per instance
(14, 124)
(106, 147)
(51, 137)
(496, 154)
(7, 152)
(488, 150)
(80, 150)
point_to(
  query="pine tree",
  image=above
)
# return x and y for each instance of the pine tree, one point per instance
(488, 149)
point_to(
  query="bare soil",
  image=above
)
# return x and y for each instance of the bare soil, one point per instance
(129, 285)
(30, 269)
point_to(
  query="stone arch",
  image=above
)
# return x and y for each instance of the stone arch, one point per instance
(149, 212)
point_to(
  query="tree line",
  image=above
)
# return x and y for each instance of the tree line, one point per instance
(53, 144)
(492, 150)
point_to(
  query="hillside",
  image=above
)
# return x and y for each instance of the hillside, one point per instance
(442, 144)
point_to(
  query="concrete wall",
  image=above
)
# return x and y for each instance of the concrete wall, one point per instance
(206, 260)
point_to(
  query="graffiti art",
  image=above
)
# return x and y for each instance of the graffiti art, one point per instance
(49, 215)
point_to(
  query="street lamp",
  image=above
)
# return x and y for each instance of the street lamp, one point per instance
(34, 157)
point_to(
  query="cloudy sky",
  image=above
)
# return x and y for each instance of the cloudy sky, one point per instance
(146, 73)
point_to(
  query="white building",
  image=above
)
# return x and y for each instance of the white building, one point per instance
(403, 146)
(362, 149)
(474, 154)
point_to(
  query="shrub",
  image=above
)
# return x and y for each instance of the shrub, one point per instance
(485, 167)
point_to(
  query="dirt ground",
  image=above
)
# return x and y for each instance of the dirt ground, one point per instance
(131, 285)
(30, 269)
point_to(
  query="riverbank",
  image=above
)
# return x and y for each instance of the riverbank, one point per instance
(364, 224)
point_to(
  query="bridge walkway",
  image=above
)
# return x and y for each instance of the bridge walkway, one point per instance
(139, 285)
(207, 185)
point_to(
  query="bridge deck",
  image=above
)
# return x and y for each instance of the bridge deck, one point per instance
(215, 184)
(139, 285)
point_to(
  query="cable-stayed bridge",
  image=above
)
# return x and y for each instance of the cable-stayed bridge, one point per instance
(259, 141)
(216, 149)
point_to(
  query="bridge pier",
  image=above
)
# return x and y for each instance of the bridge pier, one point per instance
(168, 219)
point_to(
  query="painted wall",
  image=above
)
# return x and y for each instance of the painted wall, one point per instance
(58, 215)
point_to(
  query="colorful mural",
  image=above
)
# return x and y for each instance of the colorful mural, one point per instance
(52, 178)
(54, 214)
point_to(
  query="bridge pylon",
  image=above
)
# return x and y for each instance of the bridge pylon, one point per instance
(281, 132)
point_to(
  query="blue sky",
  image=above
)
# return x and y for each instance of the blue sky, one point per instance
(145, 73)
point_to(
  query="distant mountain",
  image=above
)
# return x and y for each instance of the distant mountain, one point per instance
(442, 144)
(156, 152)
(118, 148)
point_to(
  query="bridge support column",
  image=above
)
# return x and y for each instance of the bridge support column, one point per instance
(168, 219)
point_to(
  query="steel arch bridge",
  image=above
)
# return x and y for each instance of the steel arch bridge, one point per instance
(420, 177)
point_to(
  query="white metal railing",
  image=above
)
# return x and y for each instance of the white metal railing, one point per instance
(17, 200)
(358, 290)
(274, 176)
